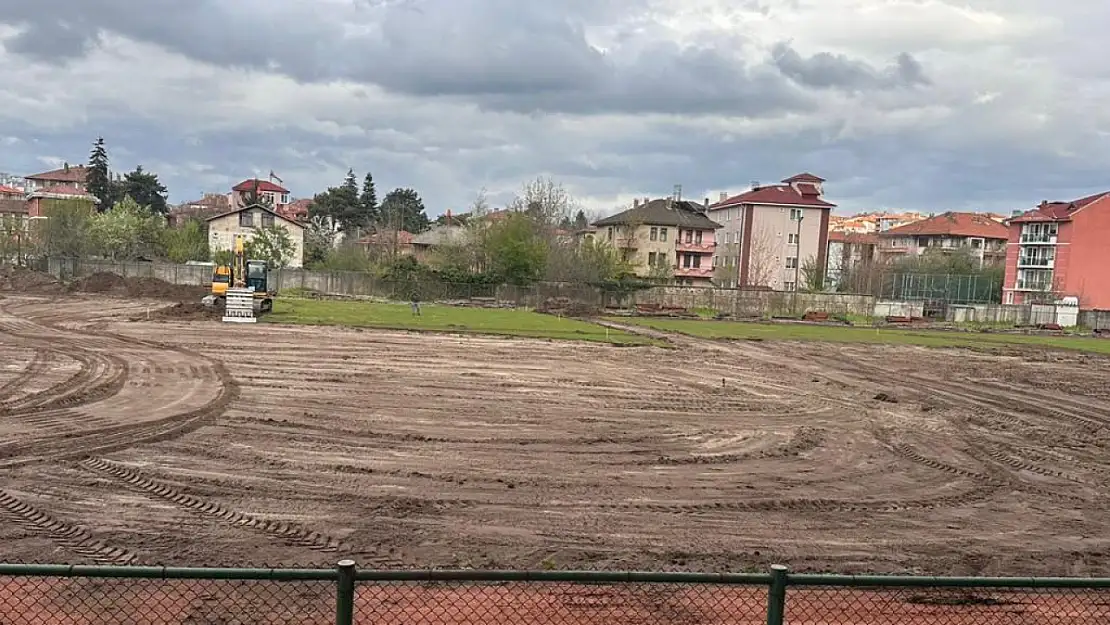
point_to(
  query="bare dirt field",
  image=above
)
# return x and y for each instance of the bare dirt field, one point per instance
(154, 441)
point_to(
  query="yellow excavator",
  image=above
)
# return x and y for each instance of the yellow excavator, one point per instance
(243, 273)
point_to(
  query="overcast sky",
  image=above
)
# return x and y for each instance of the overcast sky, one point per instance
(931, 105)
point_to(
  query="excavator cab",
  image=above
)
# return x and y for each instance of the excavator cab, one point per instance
(258, 278)
(221, 280)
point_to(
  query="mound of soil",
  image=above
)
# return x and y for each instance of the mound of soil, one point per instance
(185, 311)
(23, 280)
(100, 282)
(148, 288)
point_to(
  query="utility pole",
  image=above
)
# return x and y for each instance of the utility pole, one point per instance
(797, 259)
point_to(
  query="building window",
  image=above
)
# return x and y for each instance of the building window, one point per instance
(610, 233)
(697, 237)
(662, 234)
(651, 259)
(791, 262)
(654, 234)
(246, 219)
(689, 236)
(788, 286)
(714, 261)
(795, 214)
(697, 261)
(792, 239)
(267, 220)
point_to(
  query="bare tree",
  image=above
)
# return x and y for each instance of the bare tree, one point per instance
(547, 202)
(761, 257)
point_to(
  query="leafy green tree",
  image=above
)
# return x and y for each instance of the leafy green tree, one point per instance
(340, 205)
(127, 231)
(516, 249)
(402, 209)
(580, 220)
(272, 244)
(188, 242)
(145, 188)
(98, 181)
(66, 229)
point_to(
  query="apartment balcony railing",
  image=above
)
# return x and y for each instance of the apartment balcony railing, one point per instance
(1045, 239)
(1034, 285)
(693, 272)
(1034, 262)
(704, 248)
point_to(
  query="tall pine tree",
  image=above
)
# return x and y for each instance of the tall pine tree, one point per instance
(98, 181)
(145, 188)
(368, 202)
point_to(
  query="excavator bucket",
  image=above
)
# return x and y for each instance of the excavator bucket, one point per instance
(239, 306)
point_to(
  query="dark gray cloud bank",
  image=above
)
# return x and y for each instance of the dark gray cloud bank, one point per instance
(614, 97)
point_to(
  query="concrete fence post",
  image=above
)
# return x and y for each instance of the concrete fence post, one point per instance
(776, 596)
(345, 593)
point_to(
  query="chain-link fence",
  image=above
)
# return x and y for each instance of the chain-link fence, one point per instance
(47, 595)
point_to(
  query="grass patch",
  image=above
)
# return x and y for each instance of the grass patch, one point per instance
(433, 318)
(849, 334)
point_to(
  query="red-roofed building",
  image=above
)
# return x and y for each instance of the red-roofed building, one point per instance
(1060, 249)
(268, 193)
(209, 205)
(386, 243)
(297, 210)
(948, 232)
(69, 176)
(10, 193)
(769, 231)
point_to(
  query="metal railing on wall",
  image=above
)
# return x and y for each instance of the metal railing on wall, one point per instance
(344, 595)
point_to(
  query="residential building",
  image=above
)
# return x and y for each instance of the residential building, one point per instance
(770, 232)
(246, 221)
(1060, 249)
(664, 238)
(66, 176)
(11, 193)
(889, 221)
(849, 253)
(388, 243)
(267, 192)
(39, 199)
(297, 210)
(949, 232)
(208, 205)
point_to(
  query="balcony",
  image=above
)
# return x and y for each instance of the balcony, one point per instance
(1036, 262)
(1034, 285)
(1038, 239)
(702, 248)
(693, 272)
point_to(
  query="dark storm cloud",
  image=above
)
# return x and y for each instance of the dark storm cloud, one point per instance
(825, 70)
(500, 54)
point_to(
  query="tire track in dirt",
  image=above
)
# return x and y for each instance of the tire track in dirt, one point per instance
(288, 533)
(806, 438)
(39, 362)
(74, 538)
(802, 504)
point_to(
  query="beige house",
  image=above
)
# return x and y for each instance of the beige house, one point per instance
(663, 239)
(770, 232)
(246, 221)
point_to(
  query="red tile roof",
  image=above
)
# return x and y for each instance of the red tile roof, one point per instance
(297, 209)
(386, 238)
(1058, 211)
(804, 177)
(779, 194)
(6, 190)
(65, 174)
(953, 224)
(854, 238)
(263, 185)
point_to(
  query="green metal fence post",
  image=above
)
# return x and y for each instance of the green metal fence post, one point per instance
(345, 593)
(776, 596)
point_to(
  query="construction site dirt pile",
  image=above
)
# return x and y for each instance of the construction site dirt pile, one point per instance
(23, 280)
(149, 288)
